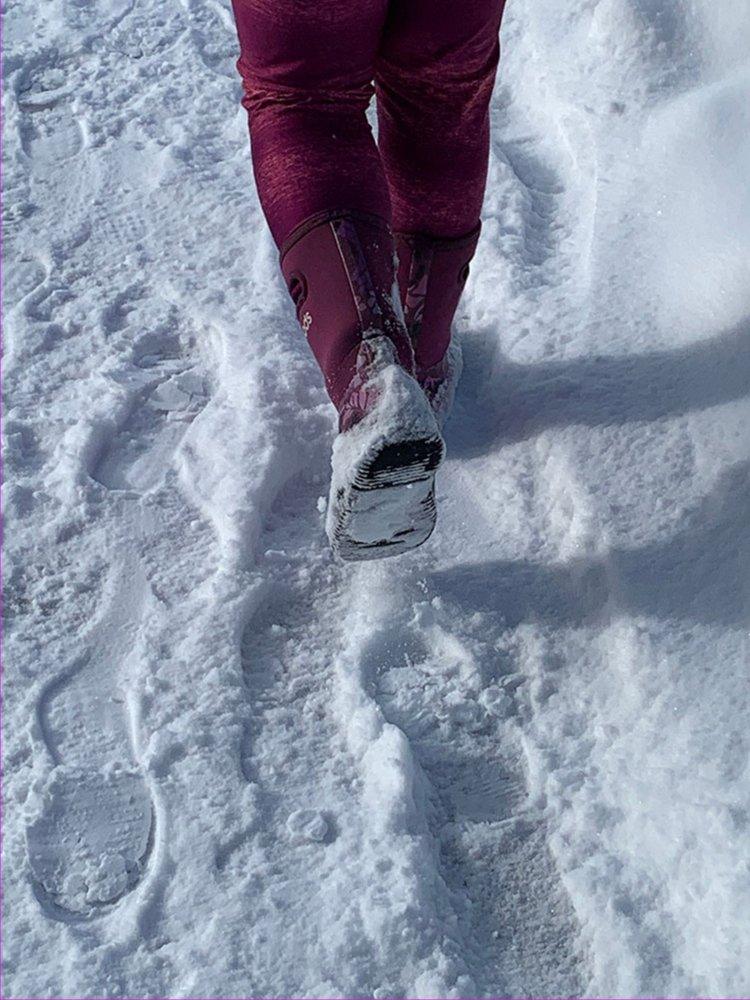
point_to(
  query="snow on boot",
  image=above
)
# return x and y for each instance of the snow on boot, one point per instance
(340, 273)
(440, 381)
(432, 273)
(382, 499)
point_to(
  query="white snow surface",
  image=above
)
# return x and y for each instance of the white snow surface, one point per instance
(514, 762)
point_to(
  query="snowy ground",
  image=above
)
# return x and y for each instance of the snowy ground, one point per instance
(515, 762)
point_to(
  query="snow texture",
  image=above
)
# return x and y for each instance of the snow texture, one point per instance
(512, 762)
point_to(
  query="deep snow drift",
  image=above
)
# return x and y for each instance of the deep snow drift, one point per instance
(514, 762)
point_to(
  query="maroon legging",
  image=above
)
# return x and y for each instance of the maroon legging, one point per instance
(308, 68)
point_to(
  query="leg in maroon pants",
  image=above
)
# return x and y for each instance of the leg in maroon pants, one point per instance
(434, 76)
(307, 68)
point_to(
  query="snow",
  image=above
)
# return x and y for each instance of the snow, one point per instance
(513, 762)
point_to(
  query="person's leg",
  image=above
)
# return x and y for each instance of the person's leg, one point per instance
(434, 77)
(307, 73)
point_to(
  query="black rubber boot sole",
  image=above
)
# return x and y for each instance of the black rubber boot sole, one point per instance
(388, 506)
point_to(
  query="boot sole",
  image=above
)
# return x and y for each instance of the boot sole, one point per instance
(389, 505)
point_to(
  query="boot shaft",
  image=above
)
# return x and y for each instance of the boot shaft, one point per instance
(340, 272)
(432, 273)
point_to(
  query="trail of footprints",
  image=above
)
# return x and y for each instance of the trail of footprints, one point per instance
(89, 844)
(517, 922)
(91, 824)
(288, 672)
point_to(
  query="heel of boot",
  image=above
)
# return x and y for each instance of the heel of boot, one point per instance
(389, 505)
(383, 485)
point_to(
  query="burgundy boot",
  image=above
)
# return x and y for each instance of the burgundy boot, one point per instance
(340, 271)
(432, 273)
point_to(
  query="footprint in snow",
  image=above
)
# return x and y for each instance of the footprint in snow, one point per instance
(138, 456)
(89, 842)
(50, 134)
(22, 276)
